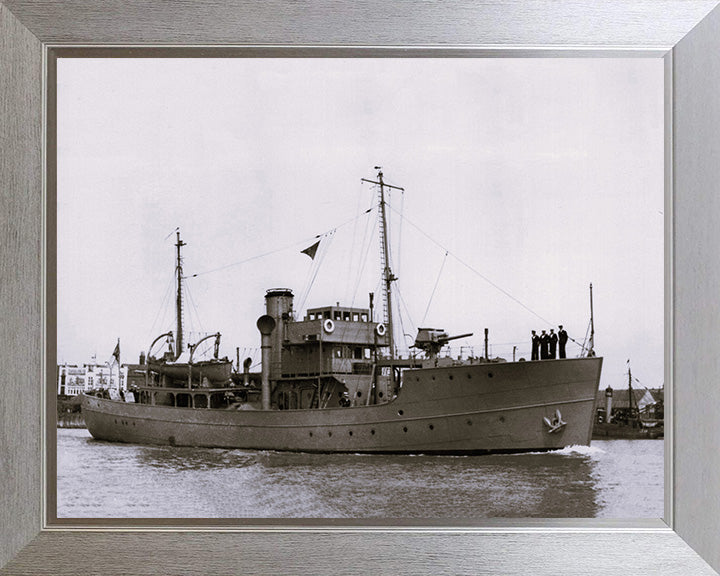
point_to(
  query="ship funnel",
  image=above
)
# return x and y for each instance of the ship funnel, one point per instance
(279, 306)
(266, 325)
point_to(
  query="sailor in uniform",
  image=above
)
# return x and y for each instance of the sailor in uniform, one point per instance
(544, 346)
(562, 339)
(535, 339)
(553, 344)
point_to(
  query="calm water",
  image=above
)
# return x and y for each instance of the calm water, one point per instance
(611, 479)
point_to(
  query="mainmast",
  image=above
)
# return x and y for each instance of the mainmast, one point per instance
(388, 276)
(178, 297)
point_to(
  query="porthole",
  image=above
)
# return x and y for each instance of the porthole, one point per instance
(431, 427)
(329, 433)
(350, 433)
(502, 418)
(433, 377)
(380, 394)
(400, 412)
(310, 434)
(469, 376)
(359, 393)
(469, 422)
(451, 376)
(490, 374)
(372, 432)
(404, 428)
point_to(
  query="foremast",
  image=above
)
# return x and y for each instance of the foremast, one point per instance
(178, 297)
(388, 276)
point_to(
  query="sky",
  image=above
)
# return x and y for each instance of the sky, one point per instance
(525, 180)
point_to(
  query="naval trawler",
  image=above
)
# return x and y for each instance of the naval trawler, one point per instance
(330, 382)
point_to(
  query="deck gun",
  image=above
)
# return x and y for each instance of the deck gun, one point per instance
(431, 340)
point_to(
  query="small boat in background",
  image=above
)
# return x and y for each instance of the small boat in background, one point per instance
(629, 413)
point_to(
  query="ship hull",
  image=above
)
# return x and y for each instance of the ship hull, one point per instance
(480, 408)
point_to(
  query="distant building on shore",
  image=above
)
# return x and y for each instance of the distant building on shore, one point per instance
(72, 379)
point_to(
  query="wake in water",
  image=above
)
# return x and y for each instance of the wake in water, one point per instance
(580, 450)
(574, 450)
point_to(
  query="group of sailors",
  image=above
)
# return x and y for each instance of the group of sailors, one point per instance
(545, 346)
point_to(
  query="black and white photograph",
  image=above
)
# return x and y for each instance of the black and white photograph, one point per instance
(360, 288)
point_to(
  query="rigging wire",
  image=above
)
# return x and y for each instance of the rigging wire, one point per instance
(193, 307)
(307, 280)
(437, 281)
(256, 257)
(351, 261)
(171, 233)
(317, 264)
(396, 293)
(364, 262)
(163, 308)
(469, 267)
(276, 250)
(402, 211)
(401, 300)
(585, 340)
(364, 252)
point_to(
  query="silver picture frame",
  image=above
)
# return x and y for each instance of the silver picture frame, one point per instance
(684, 33)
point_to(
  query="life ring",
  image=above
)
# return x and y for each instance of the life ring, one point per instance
(380, 329)
(329, 326)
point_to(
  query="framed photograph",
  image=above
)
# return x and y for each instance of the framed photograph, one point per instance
(376, 349)
(78, 113)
